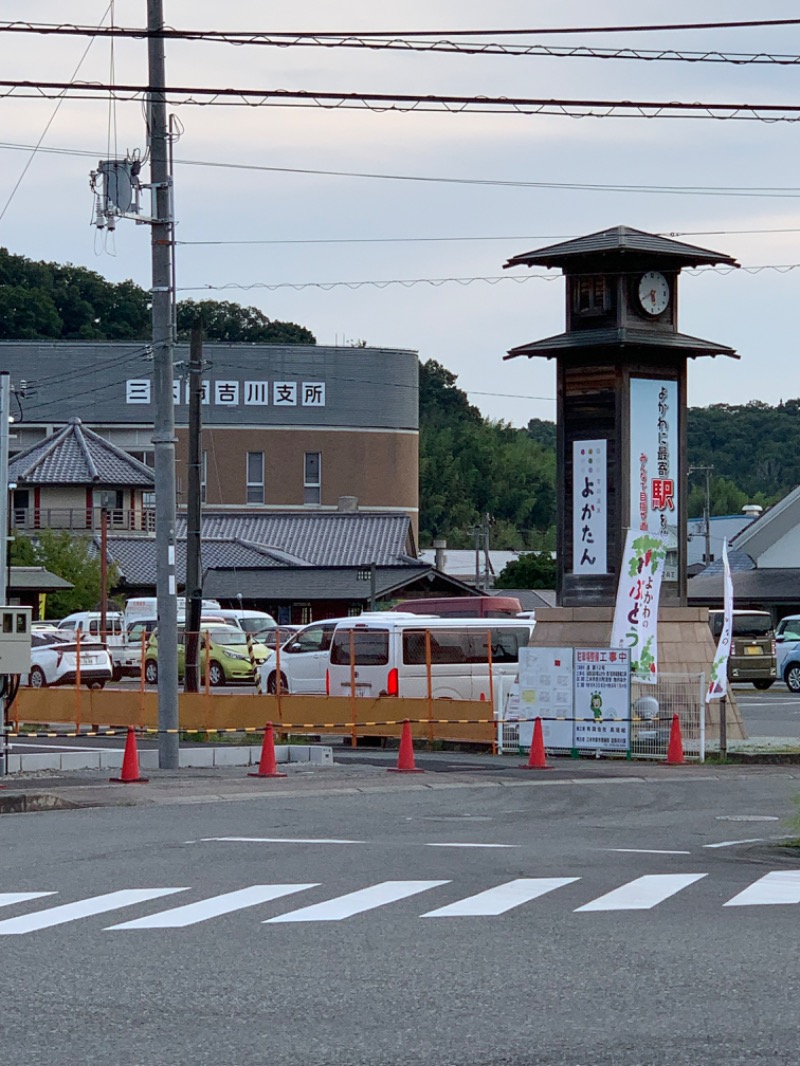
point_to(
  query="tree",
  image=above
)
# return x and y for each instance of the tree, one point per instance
(225, 321)
(68, 555)
(533, 570)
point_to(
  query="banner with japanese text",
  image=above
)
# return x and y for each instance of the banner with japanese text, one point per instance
(589, 507)
(602, 699)
(653, 454)
(636, 611)
(718, 685)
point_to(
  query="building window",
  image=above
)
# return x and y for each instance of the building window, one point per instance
(591, 295)
(203, 476)
(255, 477)
(312, 483)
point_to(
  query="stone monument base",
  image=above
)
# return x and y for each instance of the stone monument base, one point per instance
(685, 646)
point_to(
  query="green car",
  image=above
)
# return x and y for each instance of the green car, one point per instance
(223, 648)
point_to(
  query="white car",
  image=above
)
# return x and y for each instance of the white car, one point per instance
(304, 660)
(54, 661)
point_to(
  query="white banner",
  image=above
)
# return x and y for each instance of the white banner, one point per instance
(636, 612)
(589, 507)
(719, 668)
(654, 454)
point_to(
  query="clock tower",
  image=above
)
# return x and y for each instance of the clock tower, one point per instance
(621, 404)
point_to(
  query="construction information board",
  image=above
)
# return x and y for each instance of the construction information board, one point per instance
(546, 692)
(602, 699)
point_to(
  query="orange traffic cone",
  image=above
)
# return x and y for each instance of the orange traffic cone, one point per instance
(675, 749)
(405, 757)
(538, 759)
(268, 766)
(130, 763)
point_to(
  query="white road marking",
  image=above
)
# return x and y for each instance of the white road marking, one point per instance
(366, 899)
(180, 917)
(279, 840)
(779, 887)
(7, 899)
(502, 898)
(643, 893)
(733, 843)
(84, 908)
(747, 818)
(438, 844)
(646, 851)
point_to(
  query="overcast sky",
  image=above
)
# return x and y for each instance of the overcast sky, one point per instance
(467, 328)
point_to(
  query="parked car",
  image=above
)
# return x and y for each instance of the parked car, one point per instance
(270, 638)
(753, 647)
(127, 659)
(54, 661)
(223, 648)
(787, 637)
(304, 660)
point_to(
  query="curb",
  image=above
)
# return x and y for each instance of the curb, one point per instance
(27, 802)
(190, 757)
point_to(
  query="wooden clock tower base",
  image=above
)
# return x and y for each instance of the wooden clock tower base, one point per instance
(685, 646)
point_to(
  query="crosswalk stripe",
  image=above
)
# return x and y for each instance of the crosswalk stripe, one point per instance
(179, 917)
(366, 899)
(84, 908)
(781, 886)
(7, 899)
(502, 898)
(643, 893)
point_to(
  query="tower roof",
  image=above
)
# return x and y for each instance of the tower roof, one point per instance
(76, 455)
(622, 242)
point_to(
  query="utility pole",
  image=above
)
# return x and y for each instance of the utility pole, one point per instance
(164, 422)
(707, 509)
(194, 589)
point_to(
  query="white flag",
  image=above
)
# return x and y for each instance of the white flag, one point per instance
(636, 612)
(718, 685)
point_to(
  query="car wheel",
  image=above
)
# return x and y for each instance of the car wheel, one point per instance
(272, 684)
(36, 678)
(763, 684)
(791, 675)
(151, 672)
(216, 675)
(117, 674)
(96, 684)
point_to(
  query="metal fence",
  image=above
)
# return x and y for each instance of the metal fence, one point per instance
(652, 710)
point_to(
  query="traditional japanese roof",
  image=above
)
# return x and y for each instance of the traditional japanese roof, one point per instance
(325, 583)
(76, 455)
(36, 579)
(627, 337)
(621, 241)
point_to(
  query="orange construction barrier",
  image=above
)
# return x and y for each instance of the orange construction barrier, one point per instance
(130, 763)
(538, 758)
(405, 757)
(675, 748)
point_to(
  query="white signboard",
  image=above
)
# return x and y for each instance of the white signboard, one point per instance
(589, 507)
(718, 685)
(230, 392)
(636, 612)
(602, 699)
(546, 692)
(654, 454)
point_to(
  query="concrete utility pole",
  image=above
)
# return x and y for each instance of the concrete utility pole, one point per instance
(5, 415)
(194, 577)
(164, 424)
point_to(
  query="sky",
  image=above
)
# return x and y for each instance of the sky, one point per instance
(321, 229)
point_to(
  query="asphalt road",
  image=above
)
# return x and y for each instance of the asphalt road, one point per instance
(599, 923)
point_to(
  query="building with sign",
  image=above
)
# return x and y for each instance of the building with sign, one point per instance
(284, 427)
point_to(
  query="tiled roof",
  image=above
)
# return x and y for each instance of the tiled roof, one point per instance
(311, 583)
(318, 538)
(76, 455)
(616, 337)
(620, 239)
(751, 588)
(135, 557)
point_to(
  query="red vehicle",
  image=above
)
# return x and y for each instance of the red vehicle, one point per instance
(464, 606)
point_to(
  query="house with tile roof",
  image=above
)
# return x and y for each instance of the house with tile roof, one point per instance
(65, 480)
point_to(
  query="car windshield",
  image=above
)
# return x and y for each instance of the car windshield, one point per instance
(227, 636)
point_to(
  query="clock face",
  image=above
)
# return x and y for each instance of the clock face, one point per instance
(653, 292)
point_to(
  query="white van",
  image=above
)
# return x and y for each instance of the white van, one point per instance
(249, 621)
(139, 608)
(87, 623)
(390, 656)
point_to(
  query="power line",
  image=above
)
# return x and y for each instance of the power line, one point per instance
(408, 283)
(409, 43)
(407, 102)
(766, 192)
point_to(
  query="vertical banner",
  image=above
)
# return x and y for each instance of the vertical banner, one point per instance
(636, 612)
(546, 692)
(589, 507)
(602, 699)
(719, 668)
(653, 454)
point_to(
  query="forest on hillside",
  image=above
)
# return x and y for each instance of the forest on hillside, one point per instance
(469, 465)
